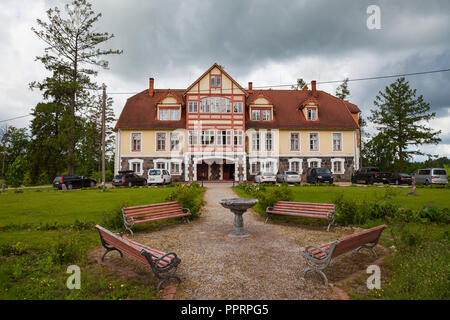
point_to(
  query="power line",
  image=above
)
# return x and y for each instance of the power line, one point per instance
(15, 118)
(289, 85)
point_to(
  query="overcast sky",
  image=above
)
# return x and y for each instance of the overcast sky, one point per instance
(264, 41)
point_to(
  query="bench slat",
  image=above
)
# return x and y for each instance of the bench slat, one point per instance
(153, 205)
(153, 209)
(297, 214)
(160, 218)
(149, 214)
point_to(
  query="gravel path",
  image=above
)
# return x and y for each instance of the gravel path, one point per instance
(265, 266)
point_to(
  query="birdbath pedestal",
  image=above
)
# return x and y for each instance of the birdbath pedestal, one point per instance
(238, 206)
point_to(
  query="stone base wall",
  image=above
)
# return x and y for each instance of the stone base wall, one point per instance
(148, 163)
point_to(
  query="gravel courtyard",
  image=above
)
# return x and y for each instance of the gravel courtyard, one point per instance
(266, 265)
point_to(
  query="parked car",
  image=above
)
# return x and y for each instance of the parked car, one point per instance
(266, 177)
(316, 175)
(400, 178)
(431, 176)
(289, 177)
(369, 175)
(158, 176)
(73, 182)
(128, 178)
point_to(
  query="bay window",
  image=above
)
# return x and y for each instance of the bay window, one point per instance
(207, 137)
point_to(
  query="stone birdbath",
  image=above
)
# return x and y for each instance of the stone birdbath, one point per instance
(238, 206)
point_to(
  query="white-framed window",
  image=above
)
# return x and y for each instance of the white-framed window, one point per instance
(169, 114)
(295, 166)
(312, 113)
(337, 141)
(174, 114)
(207, 137)
(193, 106)
(136, 165)
(175, 167)
(338, 166)
(136, 142)
(314, 141)
(314, 163)
(174, 141)
(256, 146)
(193, 137)
(269, 166)
(265, 115)
(238, 107)
(295, 141)
(256, 114)
(255, 167)
(160, 141)
(224, 137)
(238, 137)
(161, 165)
(269, 141)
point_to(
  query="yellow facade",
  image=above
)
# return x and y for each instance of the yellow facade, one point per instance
(148, 143)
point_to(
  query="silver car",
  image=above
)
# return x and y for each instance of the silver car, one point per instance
(431, 176)
(268, 177)
(289, 177)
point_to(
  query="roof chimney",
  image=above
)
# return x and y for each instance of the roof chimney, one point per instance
(250, 87)
(313, 88)
(151, 90)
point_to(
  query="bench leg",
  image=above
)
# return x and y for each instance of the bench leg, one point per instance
(129, 229)
(369, 247)
(267, 219)
(186, 219)
(325, 279)
(109, 250)
(165, 279)
(330, 224)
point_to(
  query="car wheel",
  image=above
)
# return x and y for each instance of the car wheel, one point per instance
(130, 184)
(427, 182)
(144, 183)
(69, 187)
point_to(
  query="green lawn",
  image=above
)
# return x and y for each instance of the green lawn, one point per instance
(39, 240)
(50, 205)
(439, 197)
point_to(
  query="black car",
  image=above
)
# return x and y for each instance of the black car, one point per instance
(316, 175)
(128, 178)
(73, 182)
(400, 178)
(370, 175)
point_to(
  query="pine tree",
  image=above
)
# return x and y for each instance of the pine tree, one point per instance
(402, 118)
(74, 48)
(300, 84)
(342, 91)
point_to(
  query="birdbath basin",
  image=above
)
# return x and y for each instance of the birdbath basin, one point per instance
(238, 206)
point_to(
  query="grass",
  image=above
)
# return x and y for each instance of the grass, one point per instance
(438, 197)
(45, 230)
(419, 268)
(40, 206)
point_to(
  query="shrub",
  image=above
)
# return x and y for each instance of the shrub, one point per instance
(113, 220)
(16, 249)
(65, 251)
(270, 197)
(189, 197)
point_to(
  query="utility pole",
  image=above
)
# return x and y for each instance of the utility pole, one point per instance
(4, 137)
(103, 136)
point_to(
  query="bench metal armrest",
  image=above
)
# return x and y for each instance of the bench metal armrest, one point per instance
(269, 209)
(119, 233)
(186, 210)
(317, 248)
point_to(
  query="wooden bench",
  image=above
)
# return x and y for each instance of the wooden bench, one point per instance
(318, 258)
(303, 209)
(153, 212)
(163, 265)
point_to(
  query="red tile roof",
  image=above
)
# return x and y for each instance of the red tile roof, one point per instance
(140, 111)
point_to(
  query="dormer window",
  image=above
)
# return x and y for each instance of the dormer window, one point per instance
(169, 114)
(216, 81)
(261, 114)
(312, 114)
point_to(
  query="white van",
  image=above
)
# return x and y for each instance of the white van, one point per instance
(158, 176)
(431, 176)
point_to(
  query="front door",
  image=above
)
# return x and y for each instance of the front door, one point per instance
(202, 171)
(228, 171)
